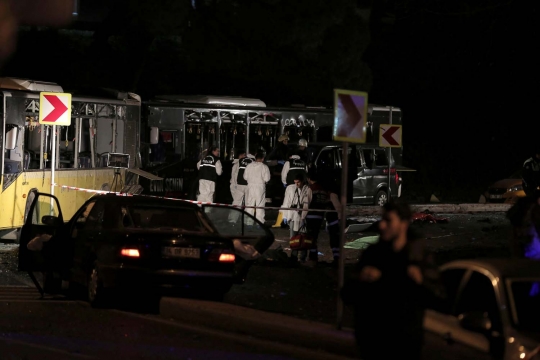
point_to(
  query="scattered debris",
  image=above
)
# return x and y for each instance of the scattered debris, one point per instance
(362, 243)
(425, 217)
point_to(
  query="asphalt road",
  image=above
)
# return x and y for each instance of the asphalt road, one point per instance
(62, 329)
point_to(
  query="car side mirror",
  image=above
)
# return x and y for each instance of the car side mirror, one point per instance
(476, 321)
(50, 220)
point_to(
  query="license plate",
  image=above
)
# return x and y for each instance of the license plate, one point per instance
(192, 253)
(495, 196)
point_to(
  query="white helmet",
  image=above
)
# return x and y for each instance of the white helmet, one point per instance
(302, 142)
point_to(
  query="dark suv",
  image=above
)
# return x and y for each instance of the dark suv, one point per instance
(368, 171)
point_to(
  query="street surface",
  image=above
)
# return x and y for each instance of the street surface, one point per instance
(57, 328)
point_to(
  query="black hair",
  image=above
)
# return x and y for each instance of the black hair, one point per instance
(259, 155)
(211, 149)
(312, 175)
(300, 177)
(292, 152)
(240, 152)
(402, 210)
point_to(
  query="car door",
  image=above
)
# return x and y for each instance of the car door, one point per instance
(84, 230)
(41, 241)
(360, 184)
(467, 291)
(364, 183)
(236, 224)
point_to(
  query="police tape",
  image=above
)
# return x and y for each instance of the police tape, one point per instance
(184, 200)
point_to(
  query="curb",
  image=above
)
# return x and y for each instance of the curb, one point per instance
(261, 324)
(436, 208)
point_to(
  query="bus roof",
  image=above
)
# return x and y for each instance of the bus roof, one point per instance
(29, 85)
(213, 100)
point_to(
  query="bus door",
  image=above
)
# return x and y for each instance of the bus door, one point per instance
(232, 134)
(263, 131)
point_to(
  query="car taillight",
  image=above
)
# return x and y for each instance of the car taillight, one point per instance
(222, 255)
(397, 178)
(227, 258)
(130, 252)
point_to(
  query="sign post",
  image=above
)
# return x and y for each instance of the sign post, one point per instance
(350, 119)
(390, 137)
(54, 109)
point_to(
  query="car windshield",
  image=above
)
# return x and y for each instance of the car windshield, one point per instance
(526, 295)
(165, 218)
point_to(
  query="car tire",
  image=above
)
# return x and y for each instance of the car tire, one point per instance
(381, 198)
(97, 297)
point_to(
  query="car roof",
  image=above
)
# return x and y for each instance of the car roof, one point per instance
(144, 200)
(505, 268)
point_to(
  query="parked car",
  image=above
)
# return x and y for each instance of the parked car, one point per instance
(137, 243)
(368, 171)
(507, 190)
(492, 312)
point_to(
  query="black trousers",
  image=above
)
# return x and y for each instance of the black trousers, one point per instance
(313, 228)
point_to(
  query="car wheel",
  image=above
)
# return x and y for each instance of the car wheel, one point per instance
(96, 293)
(381, 198)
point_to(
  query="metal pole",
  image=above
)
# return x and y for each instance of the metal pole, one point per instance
(53, 160)
(390, 164)
(342, 223)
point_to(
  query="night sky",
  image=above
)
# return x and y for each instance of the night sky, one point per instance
(464, 73)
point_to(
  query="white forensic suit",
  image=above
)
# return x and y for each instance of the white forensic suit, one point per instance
(209, 169)
(257, 174)
(299, 198)
(239, 184)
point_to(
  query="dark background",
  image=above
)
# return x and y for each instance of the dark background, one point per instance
(464, 72)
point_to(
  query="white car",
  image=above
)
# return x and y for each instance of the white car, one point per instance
(493, 310)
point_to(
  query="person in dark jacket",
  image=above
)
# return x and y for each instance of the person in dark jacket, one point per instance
(524, 217)
(209, 169)
(531, 174)
(394, 281)
(294, 166)
(280, 151)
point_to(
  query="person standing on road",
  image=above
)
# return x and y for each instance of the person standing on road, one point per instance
(314, 219)
(238, 184)
(394, 281)
(333, 217)
(302, 150)
(298, 196)
(257, 174)
(531, 174)
(294, 166)
(209, 169)
(280, 151)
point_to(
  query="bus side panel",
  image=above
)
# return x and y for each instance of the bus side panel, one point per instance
(13, 198)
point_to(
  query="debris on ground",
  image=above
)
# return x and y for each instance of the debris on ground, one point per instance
(277, 255)
(361, 243)
(426, 217)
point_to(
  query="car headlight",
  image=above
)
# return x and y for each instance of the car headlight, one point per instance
(515, 188)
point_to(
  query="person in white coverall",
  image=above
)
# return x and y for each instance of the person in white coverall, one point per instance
(209, 169)
(238, 183)
(298, 196)
(257, 174)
